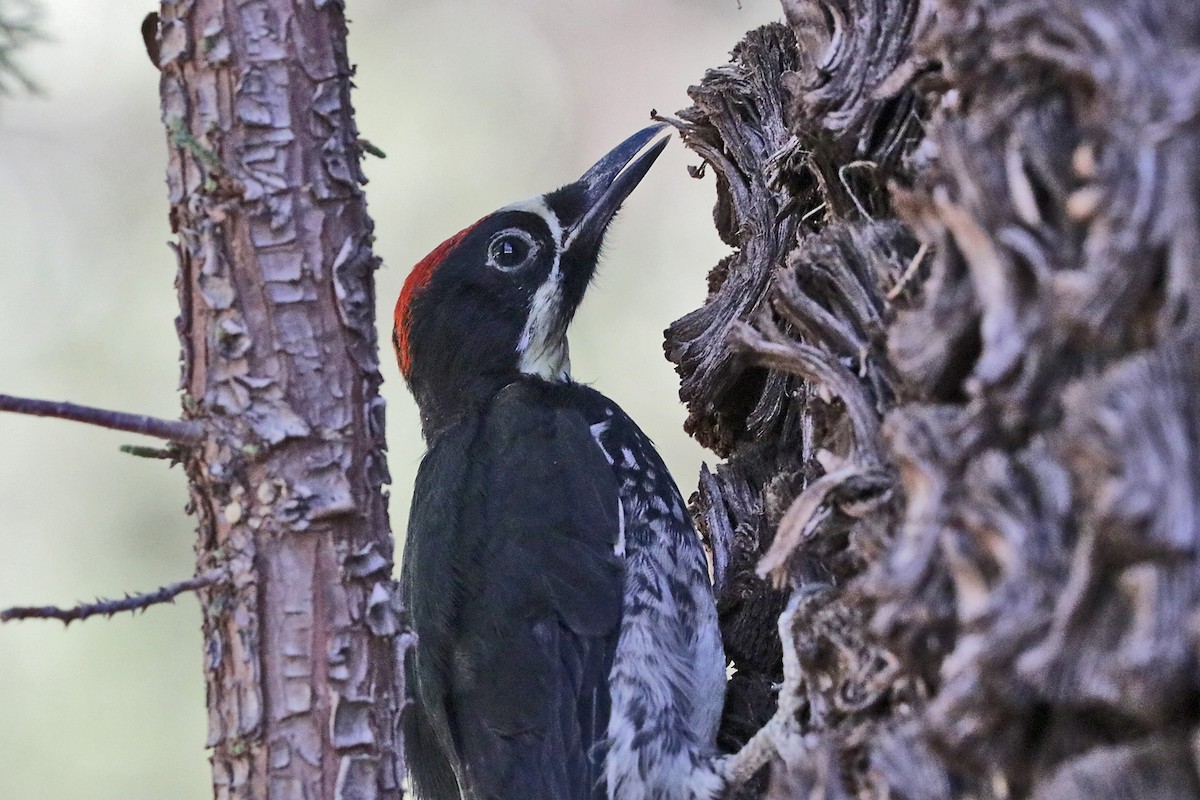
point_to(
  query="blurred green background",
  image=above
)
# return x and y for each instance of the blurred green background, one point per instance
(477, 104)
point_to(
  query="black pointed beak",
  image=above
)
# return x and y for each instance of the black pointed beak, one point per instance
(606, 185)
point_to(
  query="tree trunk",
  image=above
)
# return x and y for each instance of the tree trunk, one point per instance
(303, 641)
(953, 365)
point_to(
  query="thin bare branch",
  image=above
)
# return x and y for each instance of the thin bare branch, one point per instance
(172, 452)
(107, 608)
(20, 25)
(174, 430)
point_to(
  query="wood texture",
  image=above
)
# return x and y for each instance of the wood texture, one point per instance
(952, 363)
(279, 362)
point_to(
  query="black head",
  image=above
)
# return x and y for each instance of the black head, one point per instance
(494, 301)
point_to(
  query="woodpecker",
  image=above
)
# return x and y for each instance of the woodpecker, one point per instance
(567, 636)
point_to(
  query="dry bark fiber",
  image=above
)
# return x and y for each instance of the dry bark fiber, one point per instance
(953, 366)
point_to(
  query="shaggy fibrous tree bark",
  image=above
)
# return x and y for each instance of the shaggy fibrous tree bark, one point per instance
(953, 366)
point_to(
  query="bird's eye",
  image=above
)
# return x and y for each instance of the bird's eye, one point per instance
(511, 249)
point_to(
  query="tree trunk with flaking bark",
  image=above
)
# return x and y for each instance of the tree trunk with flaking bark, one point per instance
(303, 643)
(954, 365)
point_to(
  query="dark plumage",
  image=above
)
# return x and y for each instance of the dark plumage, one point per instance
(518, 667)
(567, 635)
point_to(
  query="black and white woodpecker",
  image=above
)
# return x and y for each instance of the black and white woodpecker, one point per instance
(567, 636)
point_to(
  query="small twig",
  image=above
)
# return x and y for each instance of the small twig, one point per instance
(370, 149)
(814, 211)
(667, 118)
(172, 452)
(107, 608)
(174, 430)
(20, 24)
(846, 184)
(895, 291)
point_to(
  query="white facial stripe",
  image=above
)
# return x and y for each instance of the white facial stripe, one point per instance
(542, 348)
(537, 205)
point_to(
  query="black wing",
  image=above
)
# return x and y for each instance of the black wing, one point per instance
(515, 593)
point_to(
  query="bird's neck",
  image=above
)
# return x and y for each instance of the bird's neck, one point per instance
(448, 400)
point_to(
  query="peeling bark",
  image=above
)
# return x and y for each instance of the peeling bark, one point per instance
(953, 367)
(303, 642)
